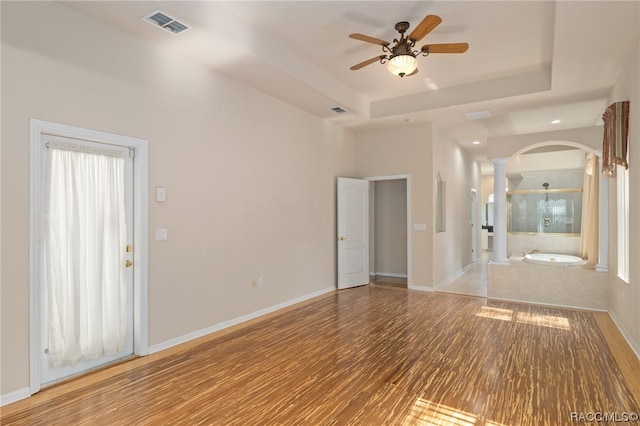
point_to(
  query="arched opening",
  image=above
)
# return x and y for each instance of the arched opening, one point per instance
(553, 200)
(536, 170)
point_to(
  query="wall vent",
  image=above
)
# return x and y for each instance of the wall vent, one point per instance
(478, 114)
(338, 110)
(165, 21)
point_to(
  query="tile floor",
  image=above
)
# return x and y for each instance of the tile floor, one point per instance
(473, 282)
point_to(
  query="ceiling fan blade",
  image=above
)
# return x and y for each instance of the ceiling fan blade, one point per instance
(445, 48)
(425, 27)
(367, 62)
(369, 39)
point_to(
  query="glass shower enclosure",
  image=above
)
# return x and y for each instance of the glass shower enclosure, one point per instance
(545, 211)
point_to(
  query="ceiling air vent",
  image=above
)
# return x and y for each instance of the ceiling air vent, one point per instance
(478, 114)
(165, 21)
(338, 110)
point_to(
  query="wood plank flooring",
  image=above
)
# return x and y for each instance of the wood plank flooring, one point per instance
(365, 356)
(384, 281)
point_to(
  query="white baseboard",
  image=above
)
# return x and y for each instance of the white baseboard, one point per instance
(388, 274)
(14, 396)
(633, 345)
(550, 305)
(453, 277)
(235, 321)
(421, 288)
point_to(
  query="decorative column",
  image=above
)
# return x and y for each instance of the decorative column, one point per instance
(603, 220)
(499, 212)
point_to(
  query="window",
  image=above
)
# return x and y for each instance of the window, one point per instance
(622, 196)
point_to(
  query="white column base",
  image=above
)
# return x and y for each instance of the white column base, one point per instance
(602, 268)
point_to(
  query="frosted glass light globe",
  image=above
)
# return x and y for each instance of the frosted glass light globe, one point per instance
(402, 65)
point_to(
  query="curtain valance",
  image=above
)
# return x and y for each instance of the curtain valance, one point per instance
(615, 141)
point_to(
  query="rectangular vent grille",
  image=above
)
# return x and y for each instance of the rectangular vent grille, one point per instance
(165, 21)
(478, 114)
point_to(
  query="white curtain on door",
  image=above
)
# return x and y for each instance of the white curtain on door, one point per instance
(85, 245)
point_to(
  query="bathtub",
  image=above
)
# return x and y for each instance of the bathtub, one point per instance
(553, 259)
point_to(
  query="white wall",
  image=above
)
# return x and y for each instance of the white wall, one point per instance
(486, 188)
(421, 151)
(399, 151)
(572, 159)
(624, 299)
(452, 248)
(250, 180)
(513, 145)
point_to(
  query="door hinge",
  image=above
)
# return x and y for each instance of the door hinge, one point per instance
(132, 152)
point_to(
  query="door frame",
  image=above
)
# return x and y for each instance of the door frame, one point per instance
(474, 225)
(140, 232)
(407, 178)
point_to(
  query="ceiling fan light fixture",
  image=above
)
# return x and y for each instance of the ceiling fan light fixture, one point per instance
(402, 65)
(400, 55)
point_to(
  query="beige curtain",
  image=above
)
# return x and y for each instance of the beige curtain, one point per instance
(590, 202)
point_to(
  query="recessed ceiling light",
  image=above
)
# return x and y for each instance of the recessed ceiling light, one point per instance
(555, 121)
(430, 84)
(476, 142)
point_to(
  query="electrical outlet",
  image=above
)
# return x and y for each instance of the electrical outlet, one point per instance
(260, 282)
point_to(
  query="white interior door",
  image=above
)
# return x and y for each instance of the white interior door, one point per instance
(353, 232)
(113, 254)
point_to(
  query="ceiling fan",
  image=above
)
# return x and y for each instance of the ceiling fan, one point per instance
(401, 57)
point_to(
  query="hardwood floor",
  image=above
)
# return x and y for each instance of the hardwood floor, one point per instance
(364, 356)
(384, 281)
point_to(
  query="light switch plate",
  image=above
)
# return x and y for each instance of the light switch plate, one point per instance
(161, 193)
(419, 227)
(161, 234)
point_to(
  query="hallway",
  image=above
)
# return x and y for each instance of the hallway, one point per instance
(473, 281)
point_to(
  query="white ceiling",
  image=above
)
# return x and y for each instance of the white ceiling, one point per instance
(528, 62)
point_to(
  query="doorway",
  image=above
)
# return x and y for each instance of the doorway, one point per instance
(389, 230)
(87, 250)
